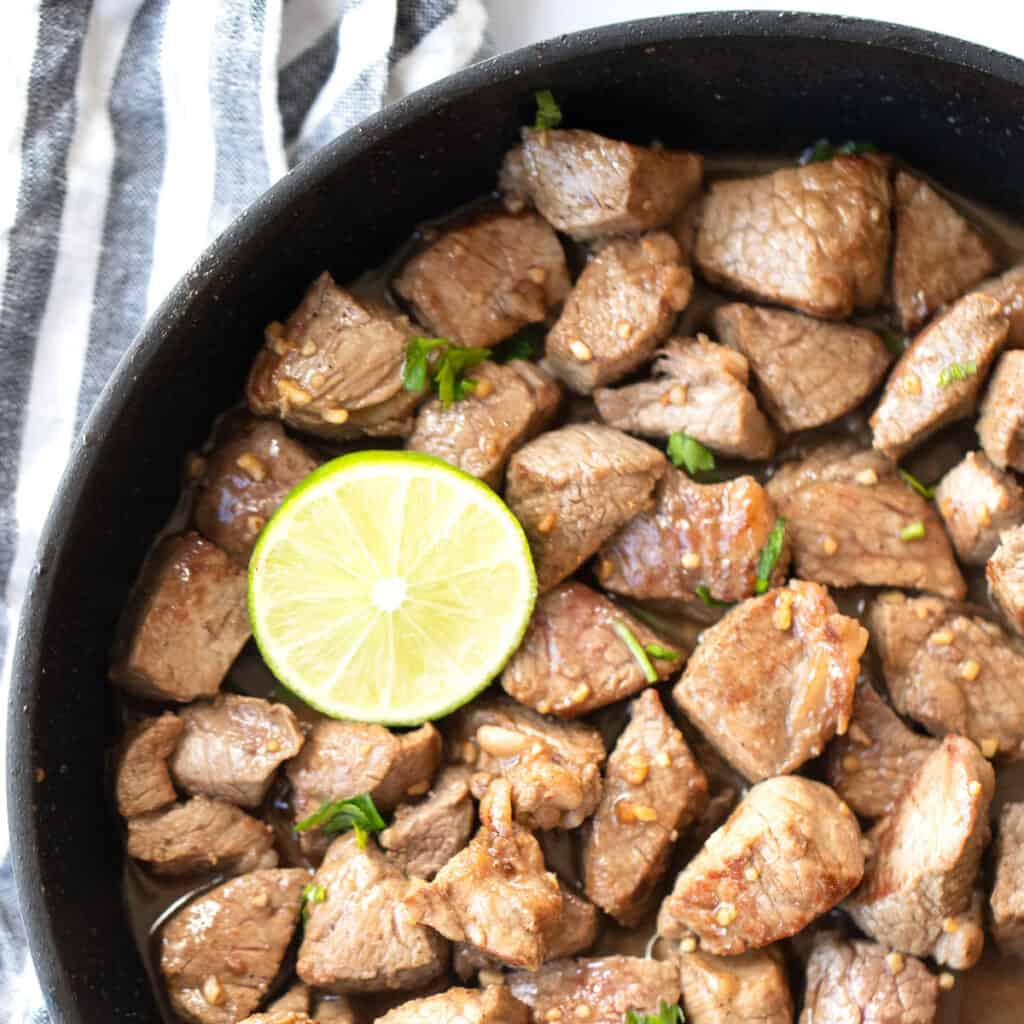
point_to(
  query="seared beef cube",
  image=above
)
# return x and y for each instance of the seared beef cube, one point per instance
(938, 379)
(496, 894)
(199, 836)
(508, 406)
(952, 671)
(698, 388)
(697, 535)
(335, 368)
(850, 980)
(554, 768)
(185, 622)
(485, 279)
(735, 989)
(295, 1000)
(359, 937)
(963, 936)
(572, 661)
(814, 237)
(1009, 290)
(653, 790)
(925, 855)
(220, 953)
(587, 185)
(937, 255)
(232, 746)
(492, 1005)
(871, 765)
(623, 304)
(242, 482)
(416, 762)
(788, 853)
(573, 488)
(809, 372)
(770, 721)
(142, 782)
(1007, 900)
(423, 837)
(1005, 573)
(1001, 423)
(845, 509)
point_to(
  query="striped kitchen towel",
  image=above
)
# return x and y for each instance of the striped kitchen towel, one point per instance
(133, 131)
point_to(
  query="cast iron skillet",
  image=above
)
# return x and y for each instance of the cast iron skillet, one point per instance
(743, 82)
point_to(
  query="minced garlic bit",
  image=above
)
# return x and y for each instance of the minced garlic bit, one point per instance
(547, 523)
(867, 477)
(553, 1014)
(337, 416)
(583, 1012)
(212, 991)
(538, 275)
(663, 760)
(418, 788)
(484, 388)
(950, 925)
(896, 962)
(500, 742)
(941, 637)
(726, 914)
(580, 350)
(990, 747)
(851, 763)
(974, 788)
(636, 770)
(678, 394)
(970, 669)
(251, 466)
(308, 349)
(272, 746)
(691, 560)
(859, 736)
(689, 944)
(273, 330)
(946, 981)
(645, 813)
(317, 381)
(544, 707)
(844, 807)
(291, 392)
(604, 569)
(489, 976)
(782, 618)
(912, 384)
(255, 523)
(867, 847)
(751, 874)
(623, 329)
(982, 514)
(580, 694)
(260, 900)
(829, 545)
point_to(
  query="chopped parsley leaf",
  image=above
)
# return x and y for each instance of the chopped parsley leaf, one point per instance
(312, 894)
(957, 371)
(526, 343)
(549, 114)
(357, 814)
(667, 1014)
(626, 635)
(712, 602)
(770, 555)
(688, 452)
(924, 490)
(912, 531)
(442, 363)
(662, 653)
(824, 150)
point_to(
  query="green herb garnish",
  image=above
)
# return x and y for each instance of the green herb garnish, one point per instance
(895, 342)
(912, 531)
(712, 602)
(357, 814)
(312, 894)
(667, 1014)
(549, 114)
(924, 490)
(824, 150)
(770, 555)
(417, 361)
(625, 634)
(688, 452)
(662, 653)
(957, 371)
(438, 360)
(526, 343)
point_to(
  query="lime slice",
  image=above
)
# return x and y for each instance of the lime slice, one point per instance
(390, 587)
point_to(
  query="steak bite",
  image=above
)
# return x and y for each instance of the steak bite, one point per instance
(787, 854)
(335, 368)
(623, 304)
(508, 406)
(698, 388)
(871, 765)
(808, 372)
(416, 762)
(484, 279)
(572, 661)
(359, 937)
(1001, 423)
(735, 990)
(925, 854)
(938, 379)
(1009, 290)
(936, 256)
(1005, 573)
(220, 953)
(573, 488)
(845, 509)
(553, 768)
(232, 746)
(142, 782)
(654, 789)
(1007, 900)
(850, 981)
(697, 535)
(587, 185)
(185, 622)
(952, 671)
(769, 721)
(492, 1005)
(813, 237)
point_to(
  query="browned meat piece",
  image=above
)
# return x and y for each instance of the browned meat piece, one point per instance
(814, 237)
(654, 789)
(1005, 573)
(858, 982)
(809, 372)
(201, 835)
(334, 1009)
(963, 937)
(1009, 290)
(232, 746)
(936, 256)
(572, 661)
(492, 1005)
(609, 987)
(423, 837)
(496, 894)
(938, 379)
(481, 281)
(770, 721)
(788, 853)
(696, 535)
(280, 1017)
(335, 368)
(952, 671)
(1001, 423)
(359, 937)
(554, 768)
(698, 388)
(416, 762)
(221, 952)
(143, 782)
(295, 1000)
(871, 765)
(185, 622)
(623, 304)
(587, 185)
(747, 989)
(510, 404)
(977, 502)
(1007, 900)
(925, 855)
(573, 488)
(844, 510)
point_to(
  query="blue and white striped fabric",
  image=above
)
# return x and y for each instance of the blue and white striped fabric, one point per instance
(131, 133)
